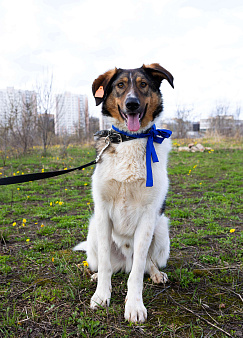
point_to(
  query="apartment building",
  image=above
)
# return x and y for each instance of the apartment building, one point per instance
(71, 114)
(16, 101)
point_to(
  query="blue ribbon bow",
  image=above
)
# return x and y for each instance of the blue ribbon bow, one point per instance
(154, 135)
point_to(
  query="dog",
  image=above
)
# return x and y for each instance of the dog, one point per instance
(129, 231)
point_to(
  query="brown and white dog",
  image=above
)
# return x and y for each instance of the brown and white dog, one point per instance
(129, 230)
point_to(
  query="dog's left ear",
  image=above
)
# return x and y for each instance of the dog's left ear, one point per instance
(159, 73)
(101, 84)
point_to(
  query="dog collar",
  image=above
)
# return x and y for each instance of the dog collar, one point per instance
(153, 135)
(114, 137)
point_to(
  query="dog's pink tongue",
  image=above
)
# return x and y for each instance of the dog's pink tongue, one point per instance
(133, 123)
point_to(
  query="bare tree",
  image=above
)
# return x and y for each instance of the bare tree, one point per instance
(93, 126)
(86, 114)
(22, 118)
(46, 101)
(238, 122)
(221, 122)
(182, 119)
(4, 136)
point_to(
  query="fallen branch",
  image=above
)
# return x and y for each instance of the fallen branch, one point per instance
(237, 294)
(200, 317)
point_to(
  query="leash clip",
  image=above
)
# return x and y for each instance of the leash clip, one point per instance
(108, 142)
(118, 135)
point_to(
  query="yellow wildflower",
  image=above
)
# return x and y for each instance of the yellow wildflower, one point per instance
(42, 225)
(27, 240)
(60, 203)
(51, 204)
(85, 263)
(14, 223)
(232, 230)
(52, 259)
(24, 220)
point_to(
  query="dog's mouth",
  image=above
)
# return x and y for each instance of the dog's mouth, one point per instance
(133, 120)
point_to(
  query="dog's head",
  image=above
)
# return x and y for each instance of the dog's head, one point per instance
(131, 96)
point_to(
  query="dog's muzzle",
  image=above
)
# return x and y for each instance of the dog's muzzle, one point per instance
(132, 103)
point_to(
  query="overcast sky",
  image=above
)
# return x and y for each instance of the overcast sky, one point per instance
(199, 41)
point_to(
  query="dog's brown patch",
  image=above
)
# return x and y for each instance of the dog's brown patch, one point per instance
(153, 102)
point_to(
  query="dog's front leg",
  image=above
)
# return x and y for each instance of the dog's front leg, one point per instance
(134, 309)
(102, 294)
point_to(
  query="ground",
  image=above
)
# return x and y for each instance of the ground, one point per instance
(45, 287)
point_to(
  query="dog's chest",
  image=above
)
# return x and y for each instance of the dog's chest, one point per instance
(123, 162)
(125, 203)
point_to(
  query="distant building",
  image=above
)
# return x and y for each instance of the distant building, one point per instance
(12, 100)
(223, 124)
(71, 114)
(104, 122)
(205, 124)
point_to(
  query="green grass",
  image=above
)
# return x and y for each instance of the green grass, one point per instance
(45, 289)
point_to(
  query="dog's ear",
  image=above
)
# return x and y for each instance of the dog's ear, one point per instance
(101, 84)
(159, 73)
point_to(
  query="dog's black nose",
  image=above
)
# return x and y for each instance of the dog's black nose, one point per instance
(132, 103)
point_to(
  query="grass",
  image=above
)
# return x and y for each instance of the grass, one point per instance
(45, 288)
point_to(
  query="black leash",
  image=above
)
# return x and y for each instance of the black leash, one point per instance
(40, 176)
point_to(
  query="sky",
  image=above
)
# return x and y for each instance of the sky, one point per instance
(199, 41)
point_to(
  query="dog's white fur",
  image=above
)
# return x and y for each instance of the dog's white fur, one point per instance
(127, 231)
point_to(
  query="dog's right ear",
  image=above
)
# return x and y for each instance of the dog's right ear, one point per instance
(159, 73)
(101, 85)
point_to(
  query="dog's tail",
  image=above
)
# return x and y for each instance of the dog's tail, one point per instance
(82, 246)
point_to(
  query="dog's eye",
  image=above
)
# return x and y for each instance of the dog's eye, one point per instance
(143, 84)
(120, 85)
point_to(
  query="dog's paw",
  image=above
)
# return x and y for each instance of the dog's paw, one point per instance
(94, 277)
(98, 300)
(135, 311)
(159, 277)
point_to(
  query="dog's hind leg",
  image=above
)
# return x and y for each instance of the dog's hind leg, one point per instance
(90, 246)
(159, 251)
